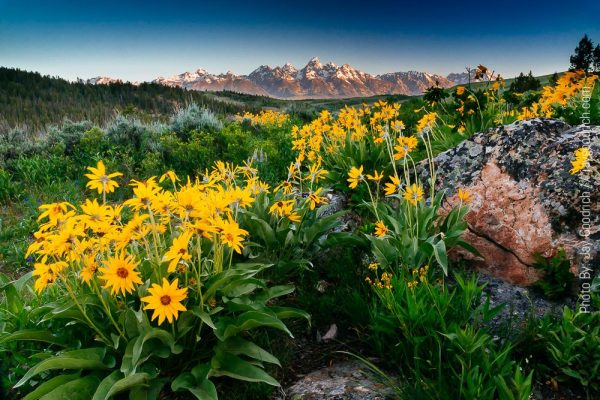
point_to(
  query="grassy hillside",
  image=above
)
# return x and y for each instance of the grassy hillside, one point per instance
(34, 101)
(28, 99)
(544, 80)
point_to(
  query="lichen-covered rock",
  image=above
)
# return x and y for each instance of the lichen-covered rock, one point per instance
(525, 201)
(341, 381)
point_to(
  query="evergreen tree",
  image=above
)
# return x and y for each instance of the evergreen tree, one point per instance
(554, 79)
(596, 57)
(582, 57)
(524, 83)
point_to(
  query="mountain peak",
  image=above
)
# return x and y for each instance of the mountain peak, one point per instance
(315, 80)
(314, 62)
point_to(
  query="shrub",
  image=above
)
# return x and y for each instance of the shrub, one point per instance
(564, 349)
(194, 118)
(68, 136)
(557, 281)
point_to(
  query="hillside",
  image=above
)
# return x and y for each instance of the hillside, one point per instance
(34, 101)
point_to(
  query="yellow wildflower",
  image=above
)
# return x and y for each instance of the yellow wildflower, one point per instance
(165, 300)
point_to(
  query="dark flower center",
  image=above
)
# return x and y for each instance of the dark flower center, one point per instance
(122, 272)
(165, 300)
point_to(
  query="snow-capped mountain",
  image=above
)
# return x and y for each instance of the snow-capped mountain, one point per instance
(106, 80)
(314, 80)
(103, 80)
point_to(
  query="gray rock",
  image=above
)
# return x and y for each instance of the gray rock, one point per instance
(348, 380)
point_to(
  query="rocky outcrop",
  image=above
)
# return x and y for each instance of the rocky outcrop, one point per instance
(341, 381)
(525, 201)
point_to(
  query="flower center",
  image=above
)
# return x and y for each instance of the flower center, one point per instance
(229, 237)
(165, 300)
(280, 204)
(122, 272)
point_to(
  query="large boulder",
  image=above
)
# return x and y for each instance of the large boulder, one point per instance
(525, 201)
(348, 380)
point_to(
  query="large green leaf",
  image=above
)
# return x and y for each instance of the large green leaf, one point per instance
(154, 333)
(273, 292)
(50, 385)
(79, 389)
(238, 346)
(76, 359)
(128, 383)
(40, 335)
(106, 384)
(204, 316)
(228, 327)
(226, 364)
(196, 382)
(439, 251)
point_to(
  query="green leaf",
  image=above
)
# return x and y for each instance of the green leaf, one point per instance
(204, 316)
(228, 327)
(468, 247)
(79, 389)
(105, 385)
(237, 346)
(264, 230)
(75, 359)
(273, 292)
(439, 251)
(154, 333)
(196, 382)
(50, 385)
(128, 383)
(225, 364)
(40, 335)
(289, 312)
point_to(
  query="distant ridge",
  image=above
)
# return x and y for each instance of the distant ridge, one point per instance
(315, 80)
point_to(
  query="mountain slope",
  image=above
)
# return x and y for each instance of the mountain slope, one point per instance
(315, 80)
(33, 101)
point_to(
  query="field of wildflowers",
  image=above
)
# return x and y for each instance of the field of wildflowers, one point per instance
(163, 256)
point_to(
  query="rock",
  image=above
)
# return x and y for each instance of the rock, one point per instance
(342, 381)
(525, 201)
(519, 304)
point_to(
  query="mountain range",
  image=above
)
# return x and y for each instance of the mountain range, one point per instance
(315, 80)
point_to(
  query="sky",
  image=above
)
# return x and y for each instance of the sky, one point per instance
(141, 40)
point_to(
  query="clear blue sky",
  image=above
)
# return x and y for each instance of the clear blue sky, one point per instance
(140, 40)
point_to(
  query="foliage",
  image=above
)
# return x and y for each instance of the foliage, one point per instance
(557, 281)
(432, 333)
(584, 56)
(561, 100)
(194, 118)
(106, 264)
(524, 83)
(35, 102)
(564, 349)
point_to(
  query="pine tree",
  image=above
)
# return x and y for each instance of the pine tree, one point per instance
(582, 57)
(596, 56)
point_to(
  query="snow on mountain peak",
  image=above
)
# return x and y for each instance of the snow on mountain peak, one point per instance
(314, 80)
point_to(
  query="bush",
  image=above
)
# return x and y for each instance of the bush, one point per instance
(68, 136)
(194, 118)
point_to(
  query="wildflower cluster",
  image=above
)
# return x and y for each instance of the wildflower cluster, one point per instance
(564, 95)
(379, 282)
(175, 249)
(103, 245)
(265, 118)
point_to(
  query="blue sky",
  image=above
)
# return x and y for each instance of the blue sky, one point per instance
(140, 40)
